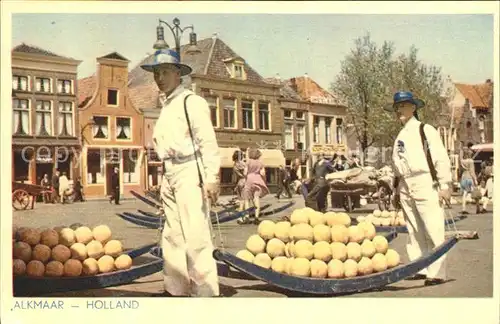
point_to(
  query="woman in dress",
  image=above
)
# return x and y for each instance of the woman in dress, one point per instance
(468, 180)
(255, 185)
(239, 170)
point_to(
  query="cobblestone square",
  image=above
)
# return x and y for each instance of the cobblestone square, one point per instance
(470, 262)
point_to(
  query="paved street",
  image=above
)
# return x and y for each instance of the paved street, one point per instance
(470, 261)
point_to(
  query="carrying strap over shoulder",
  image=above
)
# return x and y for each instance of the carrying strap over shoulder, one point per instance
(425, 146)
(192, 141)
(427, 152)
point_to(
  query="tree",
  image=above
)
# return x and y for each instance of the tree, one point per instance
(368, 78)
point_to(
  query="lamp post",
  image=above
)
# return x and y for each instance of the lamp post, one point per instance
(177, 32)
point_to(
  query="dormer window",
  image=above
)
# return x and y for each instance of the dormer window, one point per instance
(236, 68)
(238, 71)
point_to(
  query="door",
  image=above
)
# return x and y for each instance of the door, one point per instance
(41, 170)
(110, 169)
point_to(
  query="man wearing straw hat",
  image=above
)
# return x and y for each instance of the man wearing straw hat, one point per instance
(184, 138)
(422, 168)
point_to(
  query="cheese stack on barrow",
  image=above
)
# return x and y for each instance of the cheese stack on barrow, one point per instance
(384, 218)
(63, 252)
(319, 245)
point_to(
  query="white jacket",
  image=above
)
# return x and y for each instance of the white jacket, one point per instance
(171, 133)
(409, 160)
(63, 184)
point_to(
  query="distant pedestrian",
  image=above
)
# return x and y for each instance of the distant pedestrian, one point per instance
(255, 185)
(55, 187)
(283, 182)
(239, 170)
(115, 187)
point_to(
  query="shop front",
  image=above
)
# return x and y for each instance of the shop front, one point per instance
(31, 162)
(328, 150)
(99, 163)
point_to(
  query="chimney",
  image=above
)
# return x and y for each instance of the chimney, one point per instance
(214, 36)
(488, 80)
(277, 77)
(306, 75)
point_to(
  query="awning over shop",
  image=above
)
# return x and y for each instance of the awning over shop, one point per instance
(226, 156)
(272, 158)
(485, 147)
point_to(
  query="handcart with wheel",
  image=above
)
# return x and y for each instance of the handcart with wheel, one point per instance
(24, 194)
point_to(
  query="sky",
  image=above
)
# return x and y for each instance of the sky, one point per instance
(288, 45)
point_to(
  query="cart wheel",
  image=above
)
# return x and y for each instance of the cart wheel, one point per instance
(20, 199)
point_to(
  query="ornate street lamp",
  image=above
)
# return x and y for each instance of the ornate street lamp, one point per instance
(177, 32)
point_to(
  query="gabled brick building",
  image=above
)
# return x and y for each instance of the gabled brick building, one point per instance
(475, 106)
(245, 108)
(45, 128)
(111, 129)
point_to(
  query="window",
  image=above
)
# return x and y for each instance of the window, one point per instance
(339, 131)
(112, 97)
(264, 123)
(483, 137)
(226, 175)
(100, 127)
(42, 85)
(270, 175)
(212, 104)
(238, 71)
(328, 130)
(289, 140)
(300, 115)
(229, 114)
(20, 83)
(123, 128)
(468, 125)
(130, 166)
(65, 119)
(20, 117)
(64, 86)
(301, 137)
(287, 114)
(247, 110)
(481, 122)
(22, 166)
(316, 129)
(95, 167)
(43, 125)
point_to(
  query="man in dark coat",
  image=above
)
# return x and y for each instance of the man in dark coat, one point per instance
(316, 197)
(115, 187)
(283, 182)
(55, 186)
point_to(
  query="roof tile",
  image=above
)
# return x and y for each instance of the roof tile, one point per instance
(307, 88)
(479, 95)
(24, 48)
(286, 90)
(86, 88)
(209, 62)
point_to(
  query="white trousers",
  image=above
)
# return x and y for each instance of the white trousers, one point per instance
(189, 267)
(425, 218)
